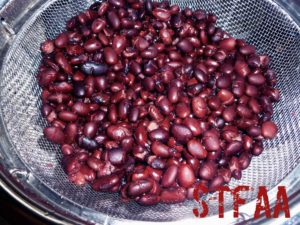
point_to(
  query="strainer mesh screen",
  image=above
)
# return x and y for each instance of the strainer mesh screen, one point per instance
(261, 23)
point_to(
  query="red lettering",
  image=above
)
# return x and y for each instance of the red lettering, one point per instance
(237, 200)
(200, 190)
(262, 203)
(221, 200)
(282, 203)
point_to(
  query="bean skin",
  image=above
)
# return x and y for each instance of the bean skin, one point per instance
(160, 149)
(196, 149)
(54, 134)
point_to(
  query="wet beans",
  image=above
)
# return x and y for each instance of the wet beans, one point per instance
(149, 100)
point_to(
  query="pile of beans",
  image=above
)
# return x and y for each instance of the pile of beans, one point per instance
(149, 100)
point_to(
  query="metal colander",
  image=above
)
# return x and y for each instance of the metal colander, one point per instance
(31, 165)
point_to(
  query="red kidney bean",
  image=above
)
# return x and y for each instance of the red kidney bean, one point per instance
(228, 44)
(207, 170)
(90, 129)
(114, 20)
(110, 56)
(185, 45)
(98, 25)
(105, 183)
(199, 107)
(54, 134)
(47, 47)
(211, 141)
(160, 149)
(141, 136)
(216, 183)
(118, 132)
(247, 50)
(169, 176)
(229, 114)
(195, 148)
(67, 116)
(119, 43)
(226, 96)
(269, 130)
(139, 187)
(173, 94)
(182, 110)
(61, 40)
(71, 131)
(243, 111)
(46, 77)
(256, 79)
(193, 125)
(242, 68)
(244, 160)
(117, 3)
(162, 14)
(117, 156)
(233, 148)
(186, 176)
(148, 200)
(61, 60)
(80, 109)
(173, 195)
(166, 36)
(149, 53)
(181, 133)
(92, 45)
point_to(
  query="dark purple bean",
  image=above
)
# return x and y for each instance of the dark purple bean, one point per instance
(256, 79)
(90, 129)
(93, 68)
(134, 115)
(88, 144)
(114, 20)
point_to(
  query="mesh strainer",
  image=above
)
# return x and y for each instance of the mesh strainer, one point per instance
(30, 165)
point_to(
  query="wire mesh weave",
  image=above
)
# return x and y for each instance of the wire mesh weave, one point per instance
(261, 23)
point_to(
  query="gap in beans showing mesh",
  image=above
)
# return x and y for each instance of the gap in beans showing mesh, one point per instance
(149, 100)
